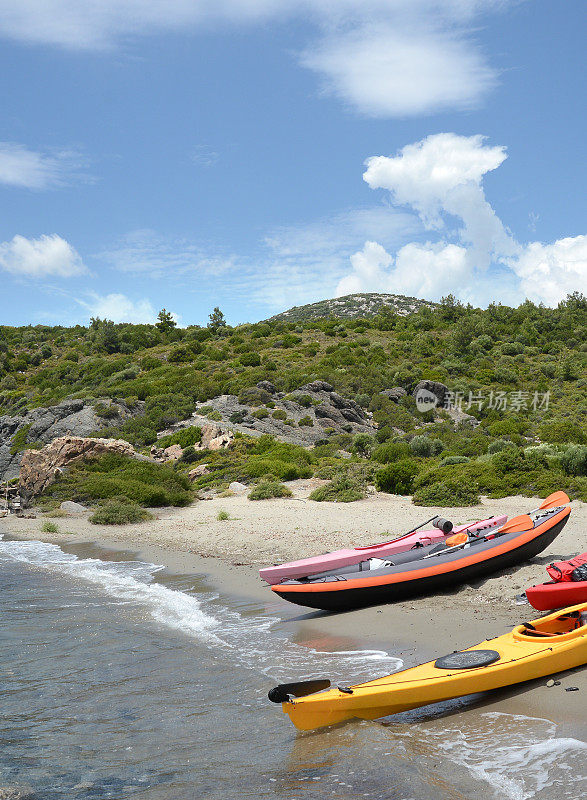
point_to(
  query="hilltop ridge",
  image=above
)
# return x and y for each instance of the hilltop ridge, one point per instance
(353, 306)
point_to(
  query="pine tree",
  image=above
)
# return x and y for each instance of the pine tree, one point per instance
(166, 322)
(217, 320)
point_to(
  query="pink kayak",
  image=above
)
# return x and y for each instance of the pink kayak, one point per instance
(354, 555)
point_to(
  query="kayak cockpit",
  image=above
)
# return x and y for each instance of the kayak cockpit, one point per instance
(565, 625)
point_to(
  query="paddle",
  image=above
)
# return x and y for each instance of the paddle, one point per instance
(517, 524)
(281, 693)
(555, 499)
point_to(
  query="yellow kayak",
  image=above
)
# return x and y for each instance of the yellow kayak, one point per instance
(531, 650)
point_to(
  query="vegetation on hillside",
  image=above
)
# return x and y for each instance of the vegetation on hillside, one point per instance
(532, 445)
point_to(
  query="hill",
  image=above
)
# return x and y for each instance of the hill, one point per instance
(519, 374)
(354, 306)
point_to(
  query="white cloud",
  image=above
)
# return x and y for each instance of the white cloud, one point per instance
(440, 178)
(204, 156)
(119, 308)
(384, 71)
(39, 258)
(422, 270)
(548, 272)
(29, 169)
(146, 252)
(382, 57)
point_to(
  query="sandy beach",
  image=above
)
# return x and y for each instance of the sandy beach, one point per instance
(193, 541)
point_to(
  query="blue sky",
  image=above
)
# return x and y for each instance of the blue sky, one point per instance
(192, 153)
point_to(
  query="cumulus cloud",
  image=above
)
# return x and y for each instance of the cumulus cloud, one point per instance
(382, 57)
(30, 169)
(49, 255)
(441, 179)
(549, 272)
(442, 176)
(119, 308)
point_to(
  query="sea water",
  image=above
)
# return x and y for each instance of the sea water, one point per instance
(118, 680)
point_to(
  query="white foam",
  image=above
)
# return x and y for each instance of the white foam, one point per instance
(129, 581)
(252, 641)
(519, 757)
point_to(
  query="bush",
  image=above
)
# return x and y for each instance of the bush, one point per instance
(105, 412)
(391, 451)
(113, 476)
(307, 422)
(498, 445)
(186, 437)
(260, 413)
(250, 359)
(119, 511)
(447, 493)
(341, 490)
(49, 527)
(279, 413)
(222, 516)
(267, 489)
(397, 478)
(452, 460)
(422, 446)
(562, 431)
(363, 445)
(574, 460)
(303, 400)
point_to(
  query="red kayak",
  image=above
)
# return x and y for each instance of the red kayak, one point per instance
(567, 587)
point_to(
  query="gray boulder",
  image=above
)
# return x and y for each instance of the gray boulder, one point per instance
(396, 393)
(267, 386)
(72, 508)
(317, 386)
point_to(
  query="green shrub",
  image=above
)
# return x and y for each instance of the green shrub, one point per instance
(222, 516)
(268, 489)
(114, 475)
(287, 471)
(498, 445)
(279, 413)
(238, 417)
(306, 422)
(214, 415)
(119, 511)
(574, 460)
(397, 478)
(253, 396)
(49, 527)
(391, 451)
(363, 445)
(186, 437)
(303, 400)
(105, 411)
(422, 446)
(562, 431)
(447, 493)
(452, 460)
(344, 489)
(250, 359)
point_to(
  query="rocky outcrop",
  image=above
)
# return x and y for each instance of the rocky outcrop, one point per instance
(396, 393)
(42, 425)
(40, 468)
(214, 437)
(301, 417)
